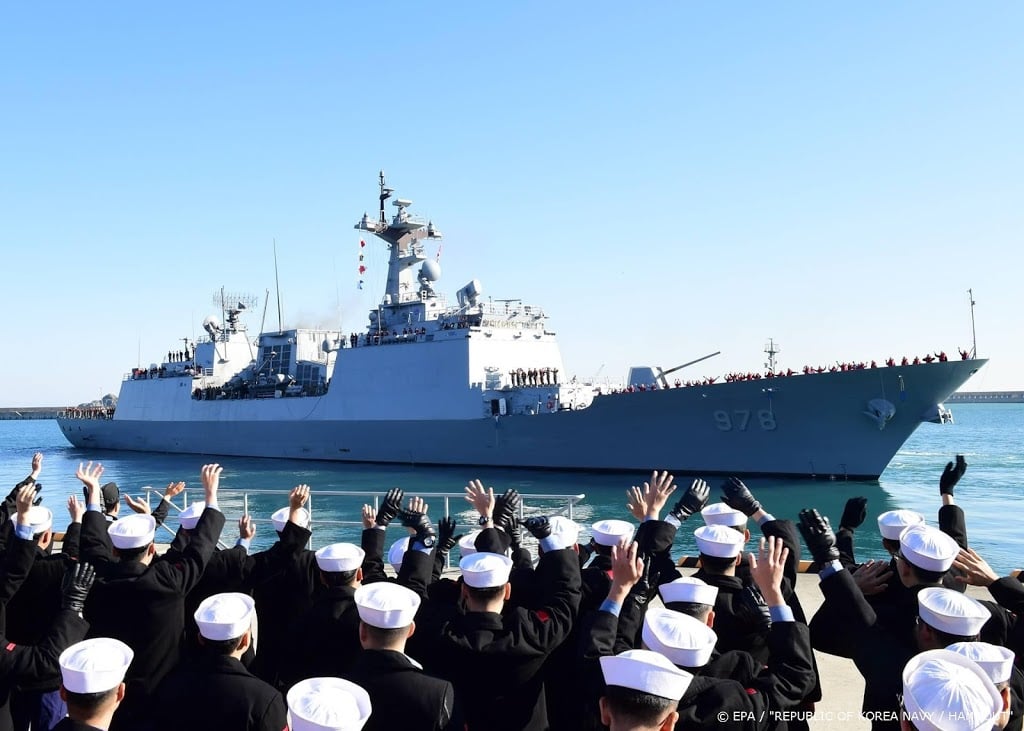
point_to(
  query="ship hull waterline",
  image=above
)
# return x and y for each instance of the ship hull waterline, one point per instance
(801, 426)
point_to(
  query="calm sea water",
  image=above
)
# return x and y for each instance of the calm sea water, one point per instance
(990, 435)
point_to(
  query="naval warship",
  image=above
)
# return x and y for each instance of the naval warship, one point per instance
(482, 383)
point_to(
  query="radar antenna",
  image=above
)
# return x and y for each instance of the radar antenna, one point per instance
(385, 193)
(233, 304)
(772, 350)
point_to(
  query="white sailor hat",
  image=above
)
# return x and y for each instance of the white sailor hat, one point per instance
(280, 517)
(928, 548)
(40, 519)
(386, 605)
(688, 589)
(893, 522)
(397, 552)
(132, 531)
(467, 544)
(683, 639)
(722, 514)
(94, 666)
(647, 672)
(485, 570)
(944, 691)
(611, 532)
(995, 660)
(951, 612)
(719, 541)
(225, 616)
(338, 557)
(190, 515)
(327, 704)
(566, 532)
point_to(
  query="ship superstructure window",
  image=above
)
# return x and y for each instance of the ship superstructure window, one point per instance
(275, 358)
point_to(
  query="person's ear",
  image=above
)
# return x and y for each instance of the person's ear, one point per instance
(508, 591)
(710, 621)
(120, 692)
(606, 716)
(359, 574)
(412, 630)
(670, 721)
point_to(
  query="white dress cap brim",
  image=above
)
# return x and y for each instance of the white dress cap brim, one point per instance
(40, 519)
(722, 514)
(647, 672)
(132, 531)
(397, 552)
(611, 532)
(190, 515)
(995, 660)
(467, 544)
(94, 666)
(951, 612)
(928, 548)
(340, 557)
(225, 616)
(688, 589)
(718, 541)
(485, 570)
(683, 639)
(945, 691)
(327, 704)
(386, 605)
(280, 517)
(894, 522)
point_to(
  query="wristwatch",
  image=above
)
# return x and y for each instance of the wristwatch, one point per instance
(428, 541)
(484, 520)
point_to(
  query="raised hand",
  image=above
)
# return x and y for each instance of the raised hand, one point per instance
(872, 577)
(506, 509)
(818, 536)
(173, 489)
(751, 606)
(246, 528)
(23, 501)
(210, 475)
(974, 569)
(369, 517)
(627, 567)
(481, 498)
(37, 465)
(539, 526)
(767, 569)
(854, 513)
(692, 501)
(414, 514)
(76, 508)
(90, 475)
(78, 580)
(737, 496)
(389, 507)
(446, 538)
(657, 491)
(298, 497)
(138, 505)
(951, 475)
(635, 502)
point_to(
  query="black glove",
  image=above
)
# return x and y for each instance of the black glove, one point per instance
(78, 580)
(951, 475)
(753, 609)
(818, 536)
(420, 523)
(515, 533)
(506, 508)
(390, 507)
(38, 500)
(692, 500)
(446, 538)
(738, 497)
(854, 513)
(643, 588)
(539, 526)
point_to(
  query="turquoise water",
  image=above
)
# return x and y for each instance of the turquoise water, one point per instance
(990, 435)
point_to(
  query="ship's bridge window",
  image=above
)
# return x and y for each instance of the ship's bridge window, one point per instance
(275, 358)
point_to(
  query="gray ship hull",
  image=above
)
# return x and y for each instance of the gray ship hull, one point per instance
(817, 425)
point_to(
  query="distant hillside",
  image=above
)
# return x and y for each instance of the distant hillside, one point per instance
(987, 397)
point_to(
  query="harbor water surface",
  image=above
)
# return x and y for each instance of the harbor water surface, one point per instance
(989, 435)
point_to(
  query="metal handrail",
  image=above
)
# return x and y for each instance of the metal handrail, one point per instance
(569, 503)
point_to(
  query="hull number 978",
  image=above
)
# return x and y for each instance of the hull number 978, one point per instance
(744, 419)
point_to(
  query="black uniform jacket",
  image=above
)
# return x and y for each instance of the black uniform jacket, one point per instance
(143, 606)
(401, 694)
(324, 640)
(495, 660)
(216, 693)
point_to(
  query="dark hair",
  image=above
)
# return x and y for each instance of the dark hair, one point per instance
(335, 579)
(88, 702)
(642, 708)
(924, 576)
(487, 594)
(132, 554)
(220, 647)
(602, 550)
(716, 564)
(690, 609)
(387, 637)
(892, 545)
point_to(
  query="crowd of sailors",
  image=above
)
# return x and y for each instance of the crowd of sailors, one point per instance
(540, 629)
(533, 377)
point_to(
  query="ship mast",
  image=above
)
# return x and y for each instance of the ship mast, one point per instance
(974, 335)
(772, 350)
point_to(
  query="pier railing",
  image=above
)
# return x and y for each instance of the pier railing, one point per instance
(236, 503)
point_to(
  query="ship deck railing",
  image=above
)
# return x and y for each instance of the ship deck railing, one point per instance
(235, 503)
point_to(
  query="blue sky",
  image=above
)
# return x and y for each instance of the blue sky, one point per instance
(667, 180)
